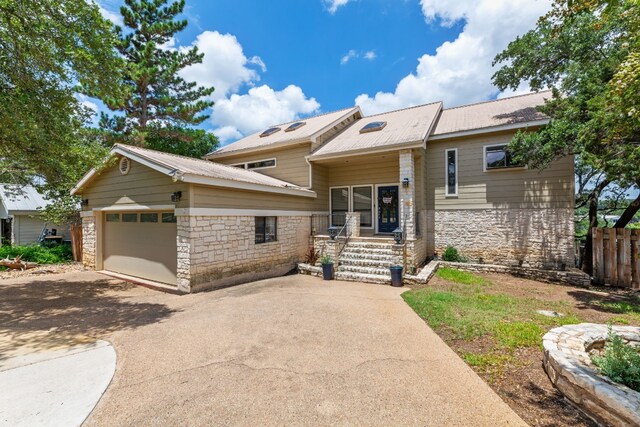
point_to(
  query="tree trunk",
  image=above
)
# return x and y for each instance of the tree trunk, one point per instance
(587, 253)
(628, 213)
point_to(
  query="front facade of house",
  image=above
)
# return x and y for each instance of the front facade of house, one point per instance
(253, 208)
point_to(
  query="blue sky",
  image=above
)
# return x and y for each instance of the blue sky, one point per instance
(279, 60)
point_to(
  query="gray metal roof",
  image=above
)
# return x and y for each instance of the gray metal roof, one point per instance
(409, 125)
(21, 198)
(500, 112)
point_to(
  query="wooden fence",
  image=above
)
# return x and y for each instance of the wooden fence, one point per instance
(616, 257)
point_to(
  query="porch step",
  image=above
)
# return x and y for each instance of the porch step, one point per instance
(361, 277)
(366, 270)
(358, 256)
(367, 262)
(371, 245)
(366, 250)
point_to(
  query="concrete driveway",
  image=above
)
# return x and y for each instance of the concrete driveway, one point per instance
(294, 350)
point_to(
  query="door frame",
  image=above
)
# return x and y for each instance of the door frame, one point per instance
(393, 184)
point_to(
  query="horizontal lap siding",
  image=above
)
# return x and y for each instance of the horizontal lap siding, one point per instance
(529, 188)
(358, 171)
(321, 187)
(210, 197)
(291, 165)
(141, 186)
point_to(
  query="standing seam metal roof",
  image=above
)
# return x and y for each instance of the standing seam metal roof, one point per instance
(21, 198)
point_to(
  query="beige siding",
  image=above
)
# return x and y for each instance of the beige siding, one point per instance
(522, 188)
(321, 187)
(141, 186)
(210, 197)
(291, 165)
(380, 169)
(27, 229)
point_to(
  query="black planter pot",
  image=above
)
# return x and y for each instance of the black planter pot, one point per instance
(327, 271)
(396, 275)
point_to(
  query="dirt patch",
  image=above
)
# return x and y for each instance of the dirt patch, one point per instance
(517, 375)
(42, 270)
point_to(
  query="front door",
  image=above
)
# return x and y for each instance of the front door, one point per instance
(387, 208)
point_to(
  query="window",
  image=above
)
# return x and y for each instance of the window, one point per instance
(266, 229)
(373, 127)
(169, 217)
(451, 172)
(498, 157)
(149, 217)
(269, 131)
(270, 163)
(294, 126)
(240, 165)
(339, 205)
(129, 217)
(112, 217)
(362, 202)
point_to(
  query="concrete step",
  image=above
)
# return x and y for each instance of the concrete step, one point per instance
(380, 271)
(366, 256)
(360, 277)
(366, 262)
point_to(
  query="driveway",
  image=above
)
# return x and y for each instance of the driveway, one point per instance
(292, 350)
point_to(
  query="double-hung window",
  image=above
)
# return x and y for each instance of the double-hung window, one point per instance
(266, 229)
(451, 172)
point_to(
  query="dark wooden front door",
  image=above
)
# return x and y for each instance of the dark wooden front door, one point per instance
(387, 209)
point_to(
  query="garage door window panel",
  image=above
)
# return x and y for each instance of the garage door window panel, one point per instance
(129, 217)
(112, 217)
(148, 217)
(169, 218)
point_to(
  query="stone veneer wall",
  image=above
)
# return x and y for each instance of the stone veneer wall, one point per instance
(539, 238)
(89, 241)
(215, 251)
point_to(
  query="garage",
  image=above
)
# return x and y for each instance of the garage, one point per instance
(141, 244)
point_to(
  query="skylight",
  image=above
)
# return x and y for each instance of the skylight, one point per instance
(269, 131)
(373, 127)
(294, 126)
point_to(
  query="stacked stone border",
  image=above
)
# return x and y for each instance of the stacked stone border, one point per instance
(569, 367)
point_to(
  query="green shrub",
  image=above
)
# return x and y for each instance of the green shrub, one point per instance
(620, 362)
(42, 255)
(451, 254)
(326, 259)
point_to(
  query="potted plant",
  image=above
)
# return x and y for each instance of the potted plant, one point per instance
(396, 275)
(327, 267)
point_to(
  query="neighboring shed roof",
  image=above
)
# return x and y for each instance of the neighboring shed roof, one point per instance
(313, 126)
(21, 198)
(506, 111)
(203, 172)
(409, 125)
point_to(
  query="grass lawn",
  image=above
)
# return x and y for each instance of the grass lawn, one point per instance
(491, 321)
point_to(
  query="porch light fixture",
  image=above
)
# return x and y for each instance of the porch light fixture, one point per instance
(84, 203)
(176, 196)
(405, 182)
(333, 232)
(397, 235)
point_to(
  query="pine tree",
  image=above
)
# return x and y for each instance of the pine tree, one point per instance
(159, 106)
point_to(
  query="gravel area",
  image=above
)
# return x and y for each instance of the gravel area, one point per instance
(72, 267)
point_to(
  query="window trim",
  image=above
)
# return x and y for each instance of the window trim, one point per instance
(331, 202)
(245, 165)
(352, 204)
(446, 173)
(255, 231)
(506, 168)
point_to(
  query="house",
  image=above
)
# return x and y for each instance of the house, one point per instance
(20, 222)
(253, 208)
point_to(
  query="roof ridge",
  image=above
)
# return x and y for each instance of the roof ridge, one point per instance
(402, 109)
(496, 100)
(313, 117)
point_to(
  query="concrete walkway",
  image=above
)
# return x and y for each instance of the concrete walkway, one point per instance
(55, 387)
(288, 351)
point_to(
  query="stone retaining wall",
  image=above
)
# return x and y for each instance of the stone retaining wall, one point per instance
(568, 364)
(215, 251)
(538, 238)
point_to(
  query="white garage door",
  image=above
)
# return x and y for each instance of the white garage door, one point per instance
(141, 244)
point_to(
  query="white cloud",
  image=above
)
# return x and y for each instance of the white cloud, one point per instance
(333, 5)
(224, 66)
(259, 108)
(114, 17)
(370, 55)
(460, 71)
(348, 57)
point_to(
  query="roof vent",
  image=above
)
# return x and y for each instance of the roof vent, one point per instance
(373, 127)
(269, 131)
(294, 126)
(125, 165)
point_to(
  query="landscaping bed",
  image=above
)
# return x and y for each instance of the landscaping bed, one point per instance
(50, 260)
(491, 321)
